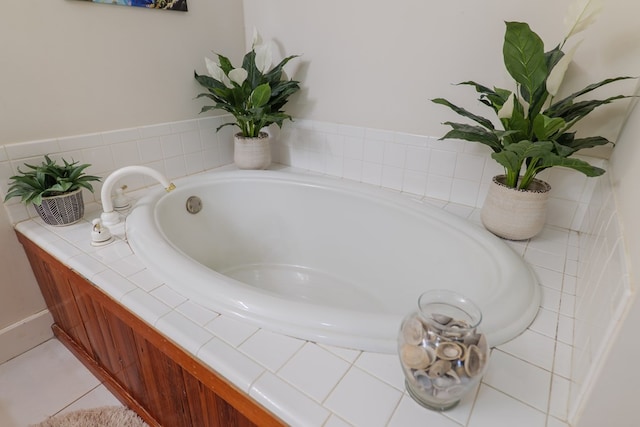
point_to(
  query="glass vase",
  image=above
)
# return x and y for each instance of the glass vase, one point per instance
(442, 350)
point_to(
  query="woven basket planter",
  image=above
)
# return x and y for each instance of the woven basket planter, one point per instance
(515, 214)
(62, 210)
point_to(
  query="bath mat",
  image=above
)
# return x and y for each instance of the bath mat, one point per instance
(107, 416)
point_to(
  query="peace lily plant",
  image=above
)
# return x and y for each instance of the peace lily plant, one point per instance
(254, 93)
(537, 128)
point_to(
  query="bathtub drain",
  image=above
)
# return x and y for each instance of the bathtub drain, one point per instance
(194, 204)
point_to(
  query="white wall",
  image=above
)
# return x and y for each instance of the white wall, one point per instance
(377, 64)
(605, 406)
(73, 67)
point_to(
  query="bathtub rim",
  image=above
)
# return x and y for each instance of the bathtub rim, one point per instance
(384, 341)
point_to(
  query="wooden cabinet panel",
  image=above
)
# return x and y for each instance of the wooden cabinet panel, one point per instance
(96, 327)
(208, 409)
(53, 282)
(149, 373)
(164, 383)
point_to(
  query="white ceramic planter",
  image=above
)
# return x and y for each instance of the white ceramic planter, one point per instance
(252, 153)
(515, 214)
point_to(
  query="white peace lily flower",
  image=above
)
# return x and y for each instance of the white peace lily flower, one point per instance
(264, 57)
(214, 69)
(580, 15)
(238, 75)
(225, 80)
(556, 76)
(507, 108)
(256, 39)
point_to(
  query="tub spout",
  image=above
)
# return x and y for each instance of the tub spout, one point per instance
(109, 215)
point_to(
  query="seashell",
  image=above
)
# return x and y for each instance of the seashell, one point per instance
(443, 383)
(456, 329)
(422, 379)
(460, 371)
(441, 319)
(455, 390)
(439, 368)
(458, 324)
(474, 361)
(413, 331)
(452, 374)
(449, 350)
(415, 357)
(472, 339)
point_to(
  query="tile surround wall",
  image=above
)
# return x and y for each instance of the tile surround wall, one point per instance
(176, 149)
(454, 171)
(602, 291)
(421, 166)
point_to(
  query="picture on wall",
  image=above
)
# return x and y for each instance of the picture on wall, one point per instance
(180, 5)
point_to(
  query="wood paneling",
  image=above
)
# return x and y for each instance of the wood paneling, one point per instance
(145, 370)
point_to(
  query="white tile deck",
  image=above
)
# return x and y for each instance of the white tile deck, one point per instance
(356, 388)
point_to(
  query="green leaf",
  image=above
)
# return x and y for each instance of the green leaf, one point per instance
(571, 112)
(511, 161)
(563, 103)
(545, 127)
(260, 95)
(528, 149)
(208, 81)
(553, 57)
(524, 57)
(478, 119)
(473, 134)
(253, 102)
(494, 98)
(589, 142)
(253, 74)
(48, 178)
(225, 64)
(572, 163)
(275, 74)
(518, 124)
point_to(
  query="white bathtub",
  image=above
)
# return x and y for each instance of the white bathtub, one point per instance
(322, 259)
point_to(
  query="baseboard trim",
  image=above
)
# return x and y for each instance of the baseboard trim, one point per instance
(25, 334)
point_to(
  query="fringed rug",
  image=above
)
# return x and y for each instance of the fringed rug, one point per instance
(108, 416)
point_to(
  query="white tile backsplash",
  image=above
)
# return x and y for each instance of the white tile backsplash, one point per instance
(176, 149)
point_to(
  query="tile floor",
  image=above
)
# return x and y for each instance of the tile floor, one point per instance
(45, 381)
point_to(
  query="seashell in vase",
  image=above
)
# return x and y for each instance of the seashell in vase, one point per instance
(415, 357)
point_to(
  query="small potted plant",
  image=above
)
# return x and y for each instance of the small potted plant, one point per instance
(254, 94)
(536, 128)
(54, 190)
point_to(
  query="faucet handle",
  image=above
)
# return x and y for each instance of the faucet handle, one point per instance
(121, 202)
(100, 234)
